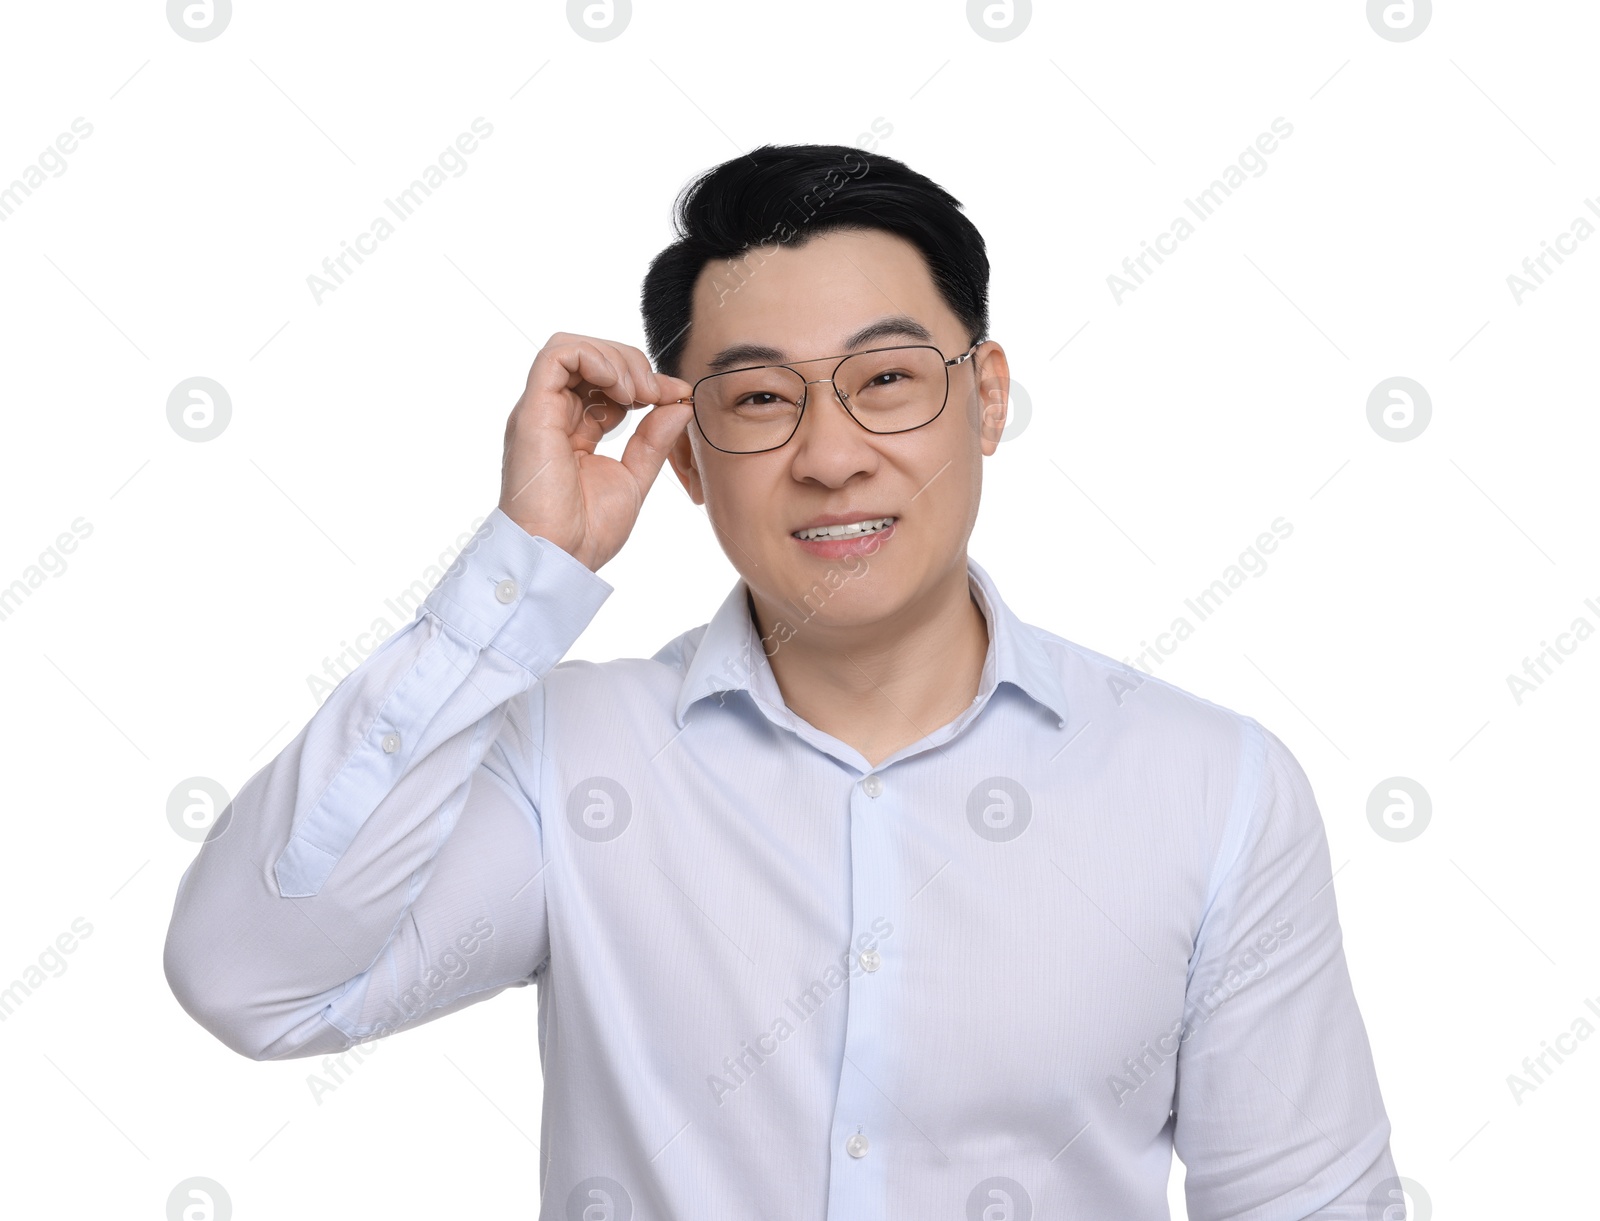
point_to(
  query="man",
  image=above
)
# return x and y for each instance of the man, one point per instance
(864, 899)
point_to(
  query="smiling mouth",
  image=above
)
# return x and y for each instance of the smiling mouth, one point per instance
(855, 529)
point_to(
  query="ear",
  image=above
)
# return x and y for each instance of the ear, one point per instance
(994, 393)
(684, 463)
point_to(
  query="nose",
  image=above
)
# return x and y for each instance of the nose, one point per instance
(830, 446)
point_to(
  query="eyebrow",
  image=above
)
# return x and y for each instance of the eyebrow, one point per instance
(898, 326)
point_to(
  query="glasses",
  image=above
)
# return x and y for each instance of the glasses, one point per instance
(885, 390)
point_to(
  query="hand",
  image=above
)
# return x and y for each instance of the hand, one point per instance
(552, 483)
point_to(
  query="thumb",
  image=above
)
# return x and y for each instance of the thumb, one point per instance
(647, 448)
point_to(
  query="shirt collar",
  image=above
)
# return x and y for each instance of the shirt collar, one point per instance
(731, 657)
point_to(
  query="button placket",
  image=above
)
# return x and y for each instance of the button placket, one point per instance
(857, 1181)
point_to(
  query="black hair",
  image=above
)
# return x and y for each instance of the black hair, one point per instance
(790, 193)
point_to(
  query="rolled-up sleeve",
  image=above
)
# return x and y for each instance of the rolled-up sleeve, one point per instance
(386, 867)
(1278, 1112)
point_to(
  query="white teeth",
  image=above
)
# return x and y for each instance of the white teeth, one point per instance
(846, 531)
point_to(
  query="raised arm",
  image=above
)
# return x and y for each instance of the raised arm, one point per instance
(386, 868)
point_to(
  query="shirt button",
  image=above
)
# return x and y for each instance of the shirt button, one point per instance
(871, 960)
(856, 1146)
(506, 591)
(391, 743)
(873, 785)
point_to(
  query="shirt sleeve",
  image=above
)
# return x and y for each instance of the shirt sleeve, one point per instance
(1278, 1116)
(386, 867)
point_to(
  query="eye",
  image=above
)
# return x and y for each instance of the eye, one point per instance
(878, 381)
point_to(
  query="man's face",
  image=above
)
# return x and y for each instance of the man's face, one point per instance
(806, 303)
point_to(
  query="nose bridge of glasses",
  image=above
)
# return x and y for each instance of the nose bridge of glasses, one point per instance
(838, 392)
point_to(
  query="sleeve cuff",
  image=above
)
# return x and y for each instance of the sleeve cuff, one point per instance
(518, 593)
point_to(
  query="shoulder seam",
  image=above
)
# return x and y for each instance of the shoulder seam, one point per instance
(1241, 818)
(1111, 665)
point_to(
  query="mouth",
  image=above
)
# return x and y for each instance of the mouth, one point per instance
(847, 530)
(843, 540)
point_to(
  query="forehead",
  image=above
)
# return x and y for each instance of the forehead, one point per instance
(841, 290)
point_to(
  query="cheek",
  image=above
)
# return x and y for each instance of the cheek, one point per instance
(948, 459)
(740, 498)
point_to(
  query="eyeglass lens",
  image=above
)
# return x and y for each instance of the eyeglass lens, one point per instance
(891, 390)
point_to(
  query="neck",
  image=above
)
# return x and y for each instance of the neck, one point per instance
(887, 684)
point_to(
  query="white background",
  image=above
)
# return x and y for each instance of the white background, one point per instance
(1166, 432)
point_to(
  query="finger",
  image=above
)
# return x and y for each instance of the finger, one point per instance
(670, 388)
(567, 366)
(661, 387)
(637, 368)
(647, 448)
(623, 391)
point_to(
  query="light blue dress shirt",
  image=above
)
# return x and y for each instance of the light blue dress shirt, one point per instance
(999, 976)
